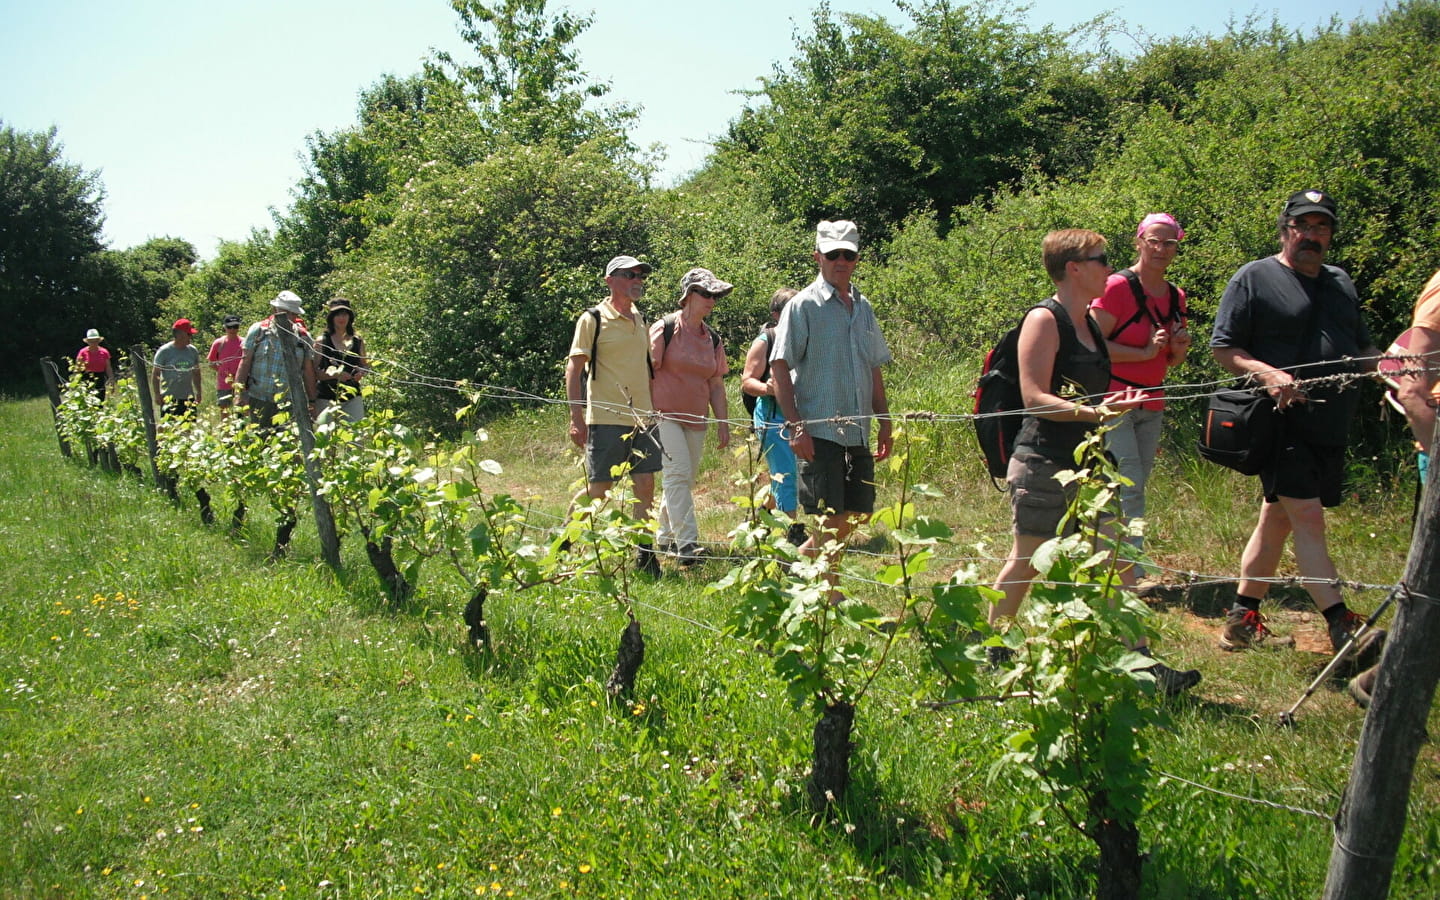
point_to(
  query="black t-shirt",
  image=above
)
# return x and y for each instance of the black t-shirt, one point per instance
(1289, 320)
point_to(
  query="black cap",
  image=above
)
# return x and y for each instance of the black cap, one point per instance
(232, 319)
(1302, 202)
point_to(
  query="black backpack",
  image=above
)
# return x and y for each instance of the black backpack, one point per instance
(997, 392)
(748, 400)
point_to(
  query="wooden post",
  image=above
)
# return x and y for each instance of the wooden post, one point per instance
(52, 387)
(300, 412)
(1371, 820)
(141, 367)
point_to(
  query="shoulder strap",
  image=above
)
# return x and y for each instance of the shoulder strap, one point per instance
(669, 330)
(594, 311)
(768, 332)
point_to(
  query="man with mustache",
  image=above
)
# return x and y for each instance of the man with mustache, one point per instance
(1283, 318)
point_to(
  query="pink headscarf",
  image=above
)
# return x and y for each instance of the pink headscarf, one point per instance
(1160, 219)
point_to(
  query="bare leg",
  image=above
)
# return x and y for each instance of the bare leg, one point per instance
(1262, 553)
(1312, 551)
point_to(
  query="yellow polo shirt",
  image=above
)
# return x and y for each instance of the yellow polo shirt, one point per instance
(622, 374)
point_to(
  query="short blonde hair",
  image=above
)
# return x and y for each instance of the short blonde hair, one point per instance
(1066, 246)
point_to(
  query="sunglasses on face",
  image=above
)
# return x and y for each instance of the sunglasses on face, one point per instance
(847, 255)
(708, 295)
(631, 274)
(1103, 259)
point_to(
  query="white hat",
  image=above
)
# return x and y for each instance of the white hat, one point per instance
(289, 302)
(841, 235)
(625, 262)
(93, 335)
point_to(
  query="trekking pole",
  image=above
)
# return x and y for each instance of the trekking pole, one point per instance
(1287, 718)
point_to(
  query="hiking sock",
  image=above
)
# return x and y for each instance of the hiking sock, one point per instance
(1243, 603)
(1336, 614)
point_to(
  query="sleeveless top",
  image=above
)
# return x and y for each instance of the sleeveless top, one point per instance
(1086, 371)
(328, 355)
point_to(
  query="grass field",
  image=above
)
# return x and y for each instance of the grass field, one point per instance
(181, 718)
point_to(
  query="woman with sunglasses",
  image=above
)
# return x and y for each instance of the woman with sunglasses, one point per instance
(1064, 377)
(690, 367)
(1144, 320)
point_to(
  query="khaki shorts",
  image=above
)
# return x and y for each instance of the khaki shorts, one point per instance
(1038, 502)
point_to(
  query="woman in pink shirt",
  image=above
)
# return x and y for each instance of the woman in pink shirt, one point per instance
(95, 363)
(690, 366)
(1144, 321)
(225, 355)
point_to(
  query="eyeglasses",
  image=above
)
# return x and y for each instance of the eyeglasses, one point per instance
(708, 295)
(1158, 244)
(1319, 229)
(1103, 259)
(849, 255)
(630, 274)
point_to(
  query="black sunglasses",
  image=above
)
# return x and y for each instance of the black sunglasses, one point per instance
(708, 295)
(836, 254)
(1103, 259)
(630, 274)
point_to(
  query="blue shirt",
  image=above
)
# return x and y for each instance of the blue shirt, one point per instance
(832, 353)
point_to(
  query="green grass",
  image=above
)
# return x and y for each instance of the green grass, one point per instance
(180, 718)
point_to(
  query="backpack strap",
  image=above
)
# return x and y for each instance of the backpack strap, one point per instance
(769, 334)
(1142, 305)
(590, 369)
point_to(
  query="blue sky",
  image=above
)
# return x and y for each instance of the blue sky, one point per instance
(196, 111)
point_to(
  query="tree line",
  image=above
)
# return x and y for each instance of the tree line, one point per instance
(468, 209)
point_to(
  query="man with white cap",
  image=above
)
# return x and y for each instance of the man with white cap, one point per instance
(262, 379)
(828, 383)
(607, 382)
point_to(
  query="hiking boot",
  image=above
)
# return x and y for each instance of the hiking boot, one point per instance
(692, 555)
(1170, 681)
(1362, 686)
(1366, 651)
(999, 657)
(647, 563)
(796, 535)
(1245, 628)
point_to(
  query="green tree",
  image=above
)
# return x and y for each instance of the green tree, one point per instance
(50, 223)
(241, 279)
(138, 280)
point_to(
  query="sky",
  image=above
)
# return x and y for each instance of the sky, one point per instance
(195, 112)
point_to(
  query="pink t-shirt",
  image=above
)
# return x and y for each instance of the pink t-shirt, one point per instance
(225, 353)
(1119, 301)
(94, 359)
(681, 389)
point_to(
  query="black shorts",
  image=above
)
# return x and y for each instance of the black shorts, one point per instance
(1304, 471)
(839, 479)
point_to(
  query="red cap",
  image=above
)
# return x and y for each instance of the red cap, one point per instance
(183, 325)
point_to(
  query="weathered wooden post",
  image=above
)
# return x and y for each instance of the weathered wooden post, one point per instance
(52, 388)
(141, 368)
(300, 411)
(1371, 820)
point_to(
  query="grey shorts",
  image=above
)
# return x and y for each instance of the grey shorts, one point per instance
(611, 445)
(1038, 502)
(839, 478)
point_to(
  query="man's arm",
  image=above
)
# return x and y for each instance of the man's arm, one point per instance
(1278, 382)
(242, 377)
(1414, 392)
(574, 373)
(800, 440)
(881, 406)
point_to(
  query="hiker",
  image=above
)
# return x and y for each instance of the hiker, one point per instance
(1285, 317)
(340, 363)
(263, 377)
(225, 354)
(95, 364)
(768, 421)
(1418, 393)
(607, 383)
(177, 370)
(690, 368)
(1053, 352)
(1143, 318)
(828, 385)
